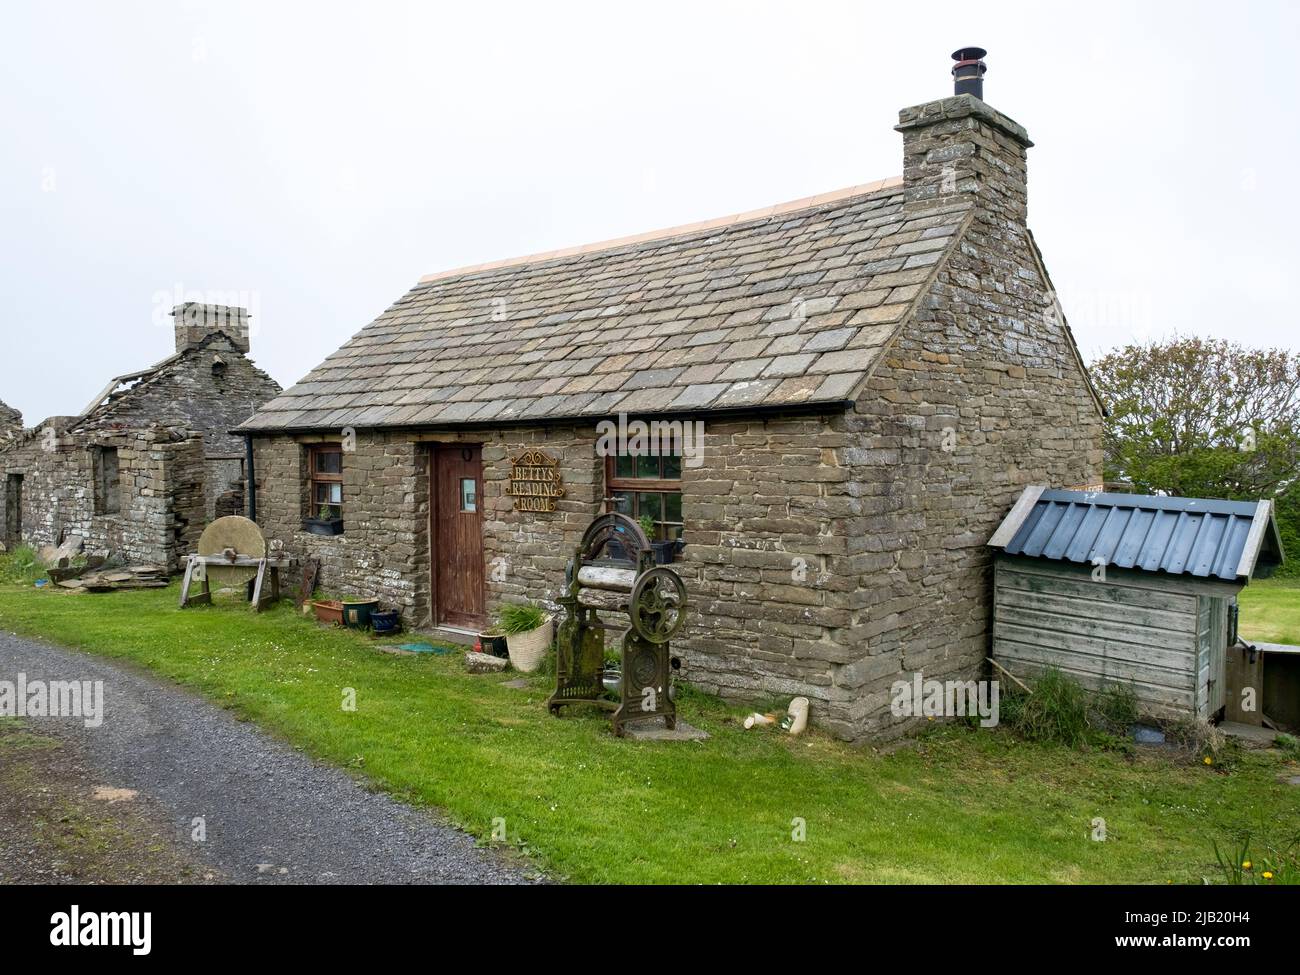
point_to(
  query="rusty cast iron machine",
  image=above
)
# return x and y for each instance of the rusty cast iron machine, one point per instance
(613, 571)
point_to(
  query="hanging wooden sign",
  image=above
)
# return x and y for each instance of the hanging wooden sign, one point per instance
(535, 481)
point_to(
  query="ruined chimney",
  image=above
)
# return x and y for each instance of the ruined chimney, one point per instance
(195, 322)
(959, 153)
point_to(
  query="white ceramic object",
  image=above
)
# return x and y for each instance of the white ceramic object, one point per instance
(798, 712)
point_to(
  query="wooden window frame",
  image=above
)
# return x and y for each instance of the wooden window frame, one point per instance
(641, 485)
(315, 477)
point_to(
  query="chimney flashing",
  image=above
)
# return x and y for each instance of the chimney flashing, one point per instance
(956, 107)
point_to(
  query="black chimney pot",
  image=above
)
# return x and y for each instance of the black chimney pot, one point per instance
(968, 72)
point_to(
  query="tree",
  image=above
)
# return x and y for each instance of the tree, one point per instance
(1197, 418)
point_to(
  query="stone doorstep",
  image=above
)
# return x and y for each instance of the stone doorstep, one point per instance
(652, 729)
(1250, 735)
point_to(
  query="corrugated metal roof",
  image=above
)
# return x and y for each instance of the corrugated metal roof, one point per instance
(1181, 536)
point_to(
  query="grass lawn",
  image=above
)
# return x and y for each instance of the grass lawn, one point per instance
(963, 805)
(1270, 611)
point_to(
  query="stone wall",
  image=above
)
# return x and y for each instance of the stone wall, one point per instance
(190, 391)
(223, 482)
(160, 506)
(383, 551)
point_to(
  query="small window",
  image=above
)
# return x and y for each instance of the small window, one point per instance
(326, 481)
(108, 489)
(468, 494)
(647, 486)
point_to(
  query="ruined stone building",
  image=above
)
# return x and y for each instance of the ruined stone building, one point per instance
(875, 374)
(150, 460)
(11, 422)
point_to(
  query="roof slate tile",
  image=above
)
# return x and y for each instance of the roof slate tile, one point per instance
(802, 295)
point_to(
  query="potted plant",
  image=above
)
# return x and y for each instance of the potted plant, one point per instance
(665, 549)
(493, 641)
(528, 630)
(328, 522)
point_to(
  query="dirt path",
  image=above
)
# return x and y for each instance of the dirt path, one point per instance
(170, 788)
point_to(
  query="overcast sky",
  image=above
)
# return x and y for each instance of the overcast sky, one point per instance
(317, 158)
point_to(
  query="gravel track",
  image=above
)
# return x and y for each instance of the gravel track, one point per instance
(272, 815)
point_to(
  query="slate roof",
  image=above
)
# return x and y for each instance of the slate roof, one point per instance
(1181, 536)
(780, 308)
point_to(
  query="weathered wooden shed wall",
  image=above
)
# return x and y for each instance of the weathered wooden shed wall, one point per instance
(1161, 635)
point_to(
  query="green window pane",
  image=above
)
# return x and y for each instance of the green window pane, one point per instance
(625, 467)
(672, 507)
(647, 466)
(650, 504)
(673, 467)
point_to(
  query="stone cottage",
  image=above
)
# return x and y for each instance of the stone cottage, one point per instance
(857, 384)
(150, 460)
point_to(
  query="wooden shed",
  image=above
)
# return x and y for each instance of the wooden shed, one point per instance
(1131, 589)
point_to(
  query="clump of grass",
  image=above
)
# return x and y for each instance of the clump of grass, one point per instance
(1276, 863)
(1288, 743)
(1057, 711)
(1116, 709)
(520, 617)
(21, 565)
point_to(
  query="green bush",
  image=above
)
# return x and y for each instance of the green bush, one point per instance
(21, 565)
(520, 617)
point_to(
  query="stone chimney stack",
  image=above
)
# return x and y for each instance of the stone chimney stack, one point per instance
(195, 322)
(958, 153)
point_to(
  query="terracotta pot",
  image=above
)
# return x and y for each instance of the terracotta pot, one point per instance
(328, 611)
(528, 650)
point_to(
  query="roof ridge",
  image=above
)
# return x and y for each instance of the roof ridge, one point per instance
(791, 206)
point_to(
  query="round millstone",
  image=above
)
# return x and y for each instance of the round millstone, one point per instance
(239, 534)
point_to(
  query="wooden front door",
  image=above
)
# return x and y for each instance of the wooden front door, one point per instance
(457, 536)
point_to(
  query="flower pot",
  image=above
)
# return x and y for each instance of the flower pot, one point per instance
(665, 552)
(356, 612)
(323, 526)
(385, 621)
(528, 650)
(328, 611)
(490, 641)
